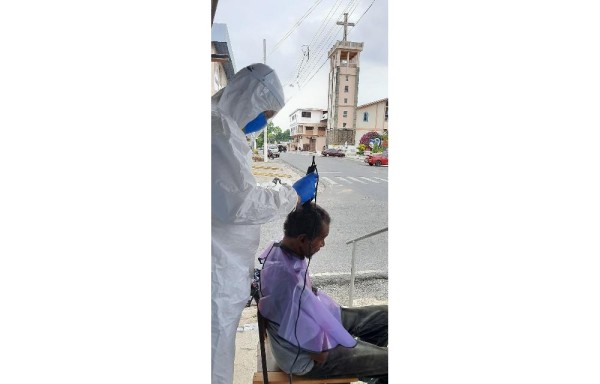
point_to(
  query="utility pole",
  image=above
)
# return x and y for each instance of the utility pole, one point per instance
(265, 147)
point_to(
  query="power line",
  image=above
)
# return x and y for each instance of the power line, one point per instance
(296, 72)
(365, 11)
(312, 8)
(327, 41)
(325, 61)
(311, 68)
(326, 20)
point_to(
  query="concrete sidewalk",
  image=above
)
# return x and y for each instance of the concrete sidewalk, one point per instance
(266, 172)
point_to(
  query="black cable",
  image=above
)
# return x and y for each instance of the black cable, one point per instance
(311, 168)
(298, 316)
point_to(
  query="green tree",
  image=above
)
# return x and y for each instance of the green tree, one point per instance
(274, 135)
(273, 131)
(283, 136)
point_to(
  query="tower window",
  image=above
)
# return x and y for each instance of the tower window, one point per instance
(343, 125)
(346, 88)
(345, 101)
(345, 114)
(366, 116)
(347, 77)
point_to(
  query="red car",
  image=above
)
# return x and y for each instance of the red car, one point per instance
(333, 152)
(377, 159)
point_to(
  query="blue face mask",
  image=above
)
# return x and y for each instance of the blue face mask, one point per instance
(257, 124)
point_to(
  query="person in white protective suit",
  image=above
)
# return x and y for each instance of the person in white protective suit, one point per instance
(239, 205)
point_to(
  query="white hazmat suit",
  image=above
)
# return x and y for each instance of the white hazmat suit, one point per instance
(239, 206)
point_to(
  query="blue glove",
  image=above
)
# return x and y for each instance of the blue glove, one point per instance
(306, 187)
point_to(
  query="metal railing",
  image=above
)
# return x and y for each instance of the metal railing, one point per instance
(352, 267)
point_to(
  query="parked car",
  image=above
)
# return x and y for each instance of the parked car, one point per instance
(272, 151)
(377, 159)
(333, 152)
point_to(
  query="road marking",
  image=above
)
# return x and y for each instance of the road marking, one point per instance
(355, 179)
(328, 180)
(372, 181)
(344, 179)
(341, 178)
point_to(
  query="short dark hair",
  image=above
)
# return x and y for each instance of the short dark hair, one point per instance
(306, 220)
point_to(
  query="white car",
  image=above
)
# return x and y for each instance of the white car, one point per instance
(273, 151)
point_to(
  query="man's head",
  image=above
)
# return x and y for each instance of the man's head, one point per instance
(305, 229)
(253, 96)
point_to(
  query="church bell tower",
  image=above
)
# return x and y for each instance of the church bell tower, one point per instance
(344, 68)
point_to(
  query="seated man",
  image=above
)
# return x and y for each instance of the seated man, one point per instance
(311, 335)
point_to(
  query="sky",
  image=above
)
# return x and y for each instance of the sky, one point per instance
(290, 26)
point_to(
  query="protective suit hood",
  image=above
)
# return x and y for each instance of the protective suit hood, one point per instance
(252, 90)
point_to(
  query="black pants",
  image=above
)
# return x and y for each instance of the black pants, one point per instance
(369, 358)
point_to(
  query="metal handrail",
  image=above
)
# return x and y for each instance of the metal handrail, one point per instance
(352, 267)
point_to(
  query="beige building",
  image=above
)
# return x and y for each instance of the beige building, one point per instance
(372, 116)
(308, 129)
(344, 68)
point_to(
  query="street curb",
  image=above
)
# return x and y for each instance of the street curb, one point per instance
(324, 279)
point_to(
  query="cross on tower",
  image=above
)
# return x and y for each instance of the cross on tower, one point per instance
(345, 24)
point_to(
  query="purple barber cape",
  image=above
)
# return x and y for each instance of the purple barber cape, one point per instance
(319, 325)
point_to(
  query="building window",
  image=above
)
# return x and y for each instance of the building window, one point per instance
(343, 125)
(345, 101)
(305, 114)
(346, 77)
(366, 116)
(346, 88)
(345, 114)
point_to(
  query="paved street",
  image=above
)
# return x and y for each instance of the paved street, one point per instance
(356, 209)
(343, 174)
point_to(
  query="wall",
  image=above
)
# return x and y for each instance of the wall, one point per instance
(376, 120)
